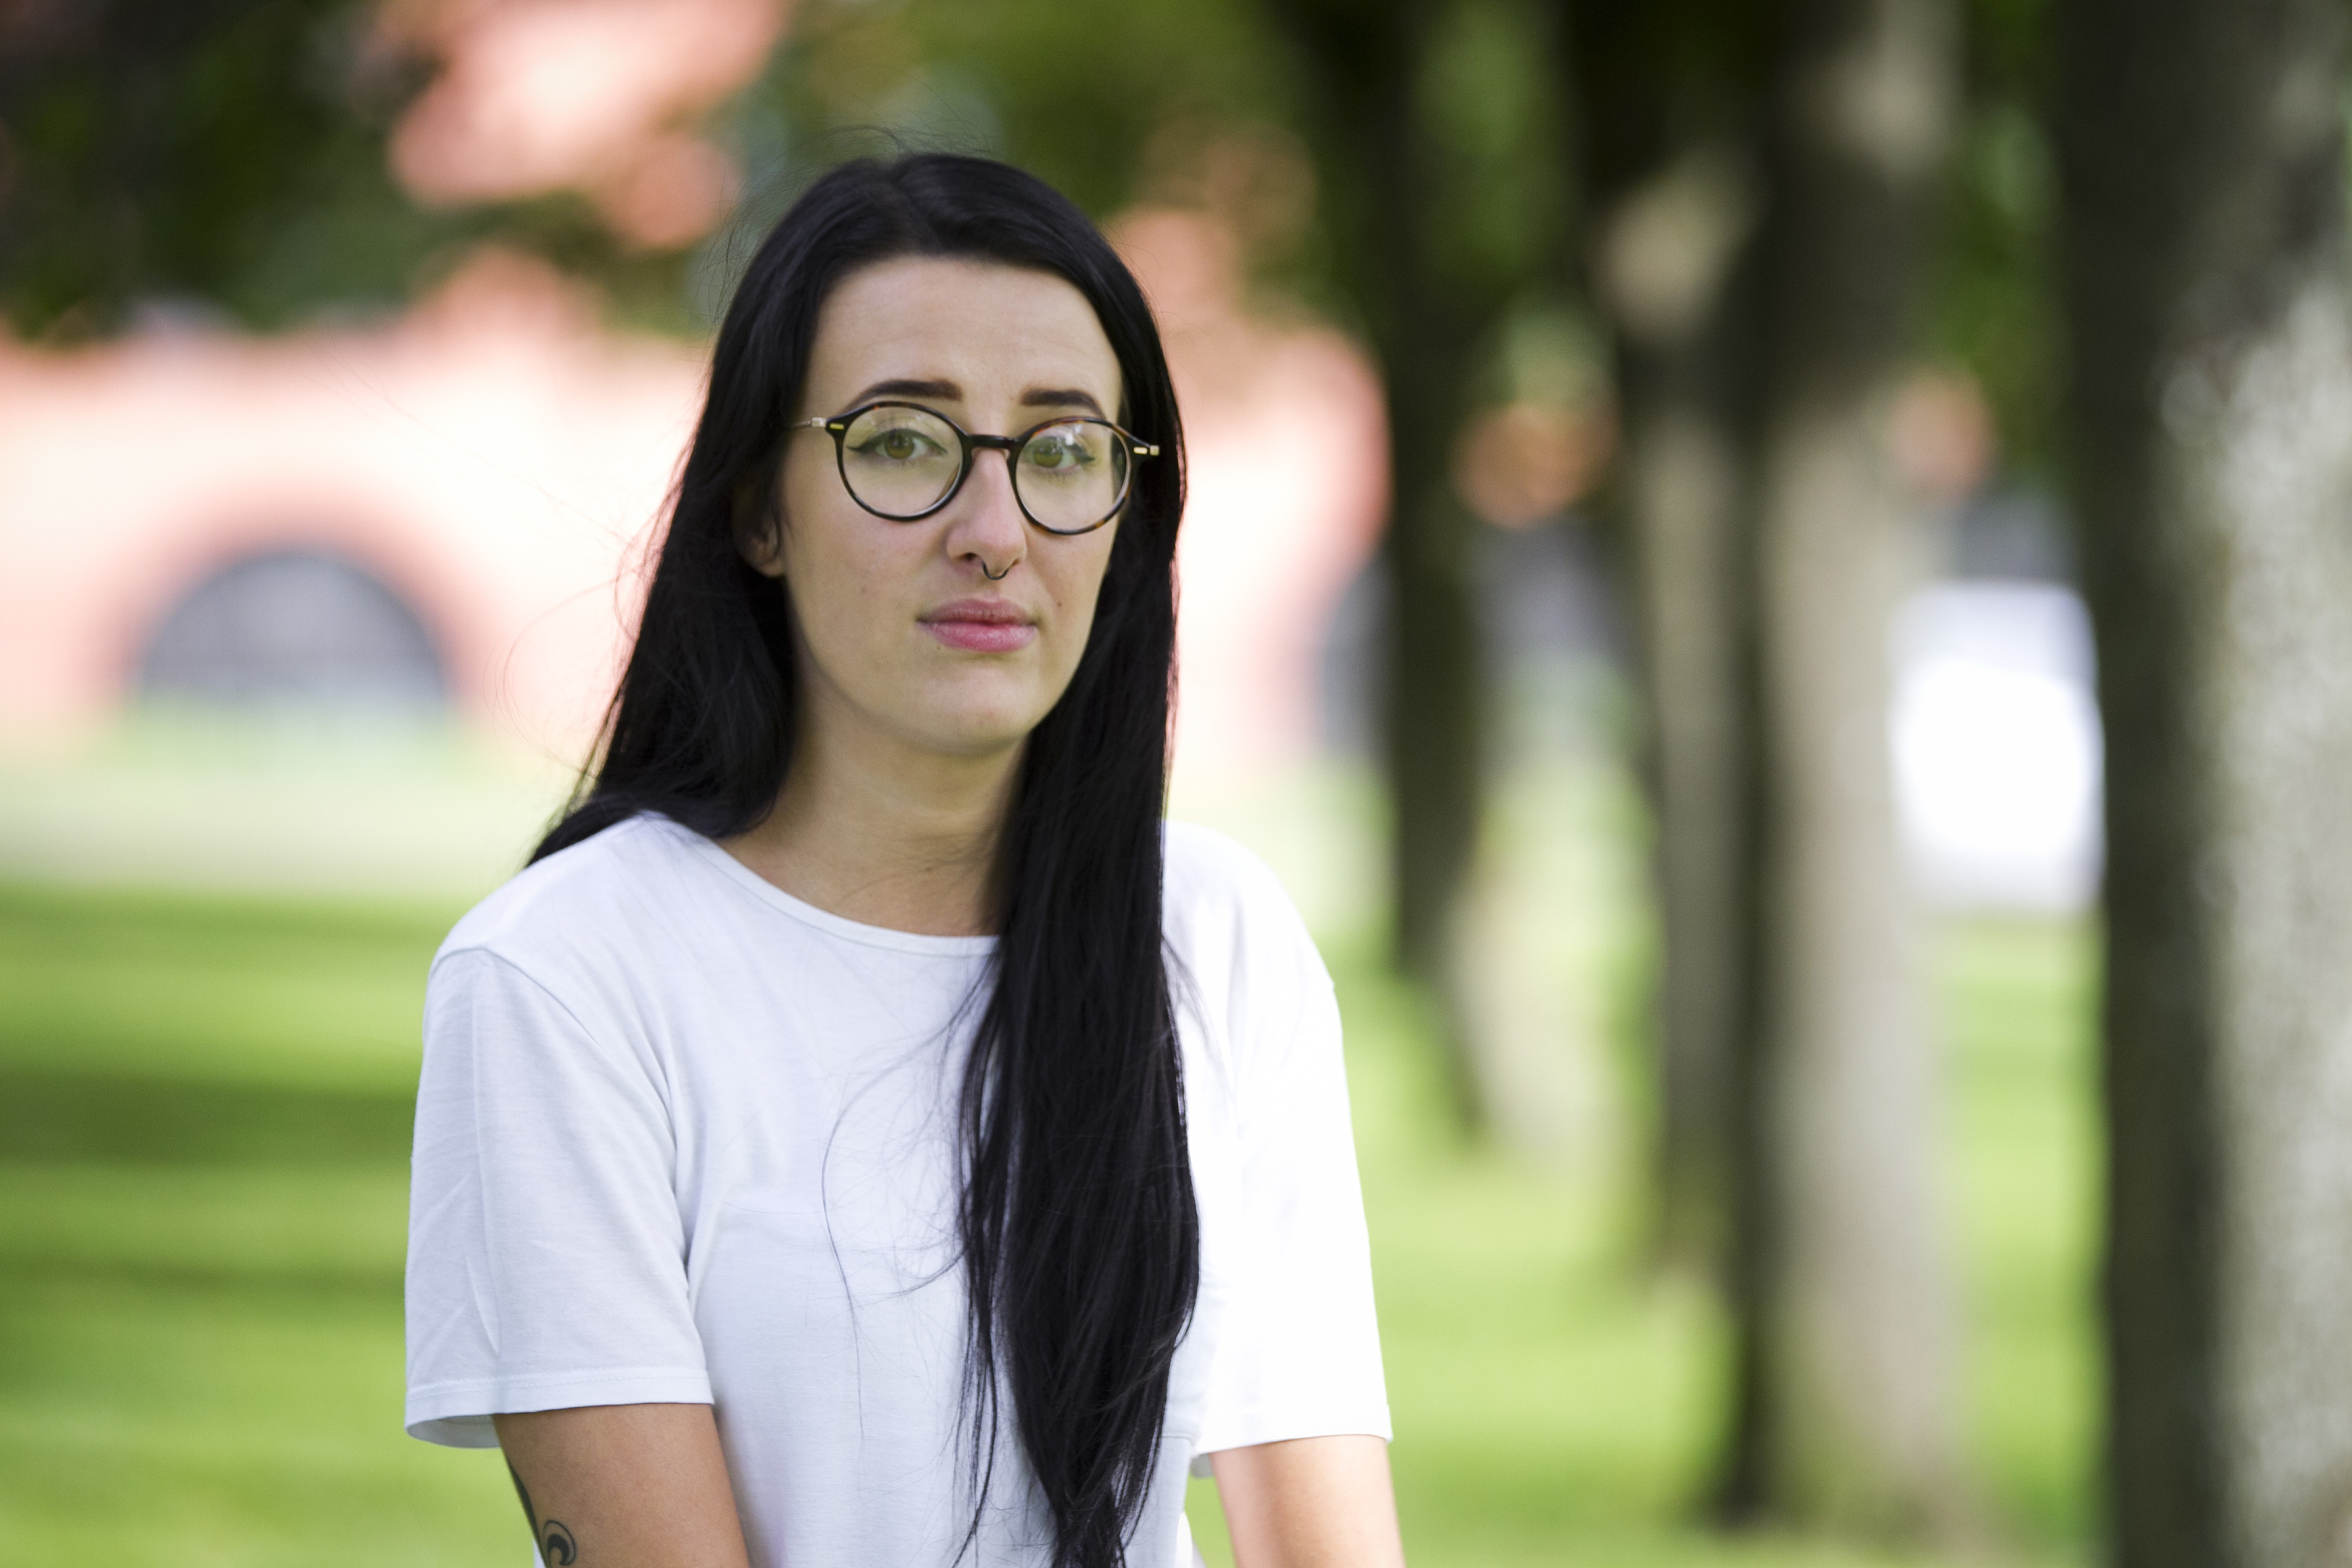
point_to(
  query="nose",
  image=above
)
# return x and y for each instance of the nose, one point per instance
(985, 525)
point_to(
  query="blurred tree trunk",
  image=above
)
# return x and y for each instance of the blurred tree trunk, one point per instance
(1366, 61)
(1844, 1405)
(2204, 269)
(1661, 127)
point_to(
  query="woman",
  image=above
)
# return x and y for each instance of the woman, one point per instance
(865, 1135)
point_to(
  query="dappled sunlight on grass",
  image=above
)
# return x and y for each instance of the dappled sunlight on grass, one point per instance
(203, 1126)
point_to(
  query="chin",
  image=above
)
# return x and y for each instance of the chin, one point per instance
(973, 739)
(976, 717)
(976, 732)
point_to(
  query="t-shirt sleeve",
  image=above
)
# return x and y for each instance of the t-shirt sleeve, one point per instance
(546, 1251)
(1299, 1355)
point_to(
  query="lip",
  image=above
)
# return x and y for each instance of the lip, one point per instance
(981, 626)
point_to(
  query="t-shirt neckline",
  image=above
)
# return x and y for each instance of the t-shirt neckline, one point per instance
(767, 893)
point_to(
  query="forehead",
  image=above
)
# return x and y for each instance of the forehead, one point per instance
(993, 330)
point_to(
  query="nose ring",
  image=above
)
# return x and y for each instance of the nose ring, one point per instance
(996, 576)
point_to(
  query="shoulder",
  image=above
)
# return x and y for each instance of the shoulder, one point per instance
(1216, 883)
(1239, 948)
(582, 909)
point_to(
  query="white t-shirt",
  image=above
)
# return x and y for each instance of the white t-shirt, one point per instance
(682, 1138)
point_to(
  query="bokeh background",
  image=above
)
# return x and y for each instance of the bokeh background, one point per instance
(1630, 596)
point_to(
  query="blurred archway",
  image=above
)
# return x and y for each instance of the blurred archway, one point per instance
(300, 626)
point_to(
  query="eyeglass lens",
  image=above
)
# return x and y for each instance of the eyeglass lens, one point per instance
(902, 462)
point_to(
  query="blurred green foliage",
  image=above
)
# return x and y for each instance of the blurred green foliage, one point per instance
(204, 1116)
(213, 155)
(1492, 100)
(1077, 97)
(227, 157)
(1990, 306)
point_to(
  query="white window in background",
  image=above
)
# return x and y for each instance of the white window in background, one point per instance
(1995, 733)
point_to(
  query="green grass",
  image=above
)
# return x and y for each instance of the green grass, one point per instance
(204, 1108)
(203, 1139)
(2019, 1004)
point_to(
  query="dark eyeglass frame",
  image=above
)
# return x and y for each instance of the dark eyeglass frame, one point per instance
(837, 425)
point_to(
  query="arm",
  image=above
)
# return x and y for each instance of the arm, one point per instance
(1312, 1502)
(624, 1486)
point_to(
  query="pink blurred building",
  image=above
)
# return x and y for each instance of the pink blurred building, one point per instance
(453, 505)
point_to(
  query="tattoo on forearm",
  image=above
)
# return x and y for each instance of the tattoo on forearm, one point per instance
(552, 1536)
(556, 1546)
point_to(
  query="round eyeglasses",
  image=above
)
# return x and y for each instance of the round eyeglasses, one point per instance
(903, 461)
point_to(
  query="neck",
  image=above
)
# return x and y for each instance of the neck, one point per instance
(887, 833)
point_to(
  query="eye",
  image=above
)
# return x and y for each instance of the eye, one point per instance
(1059, 451)
(901, 444)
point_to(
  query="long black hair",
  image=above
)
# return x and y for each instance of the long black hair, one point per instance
(1081, 1244)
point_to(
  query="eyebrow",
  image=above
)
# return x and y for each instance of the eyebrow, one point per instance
(1036, 397)
(1061, 397)
(904, 388)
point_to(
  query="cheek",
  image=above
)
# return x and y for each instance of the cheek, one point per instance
(810, 499)
(837, 570)
(1076, 582)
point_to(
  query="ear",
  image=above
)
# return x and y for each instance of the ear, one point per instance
(760, 529)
